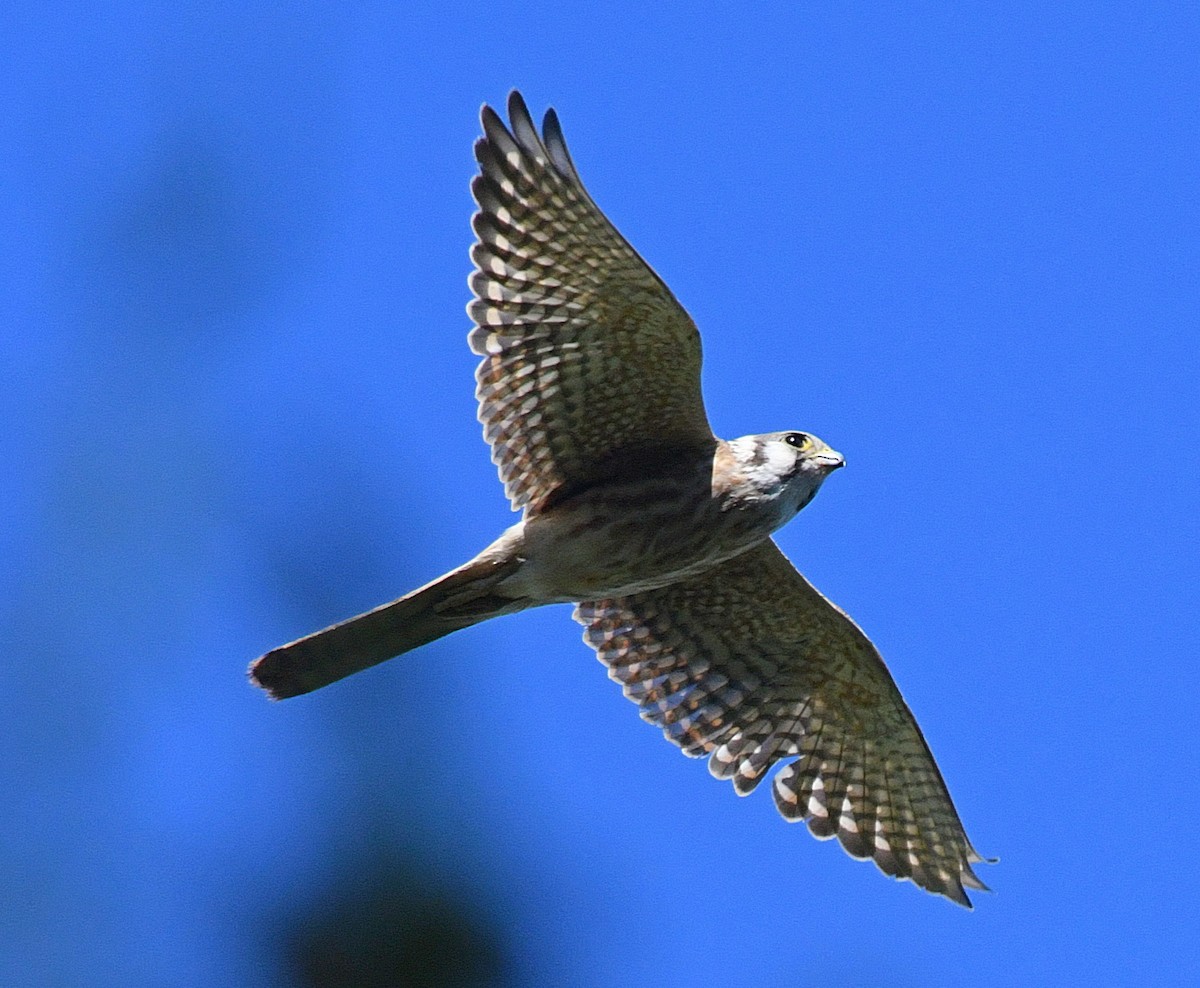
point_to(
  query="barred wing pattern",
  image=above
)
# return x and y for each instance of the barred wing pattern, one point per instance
(749, 664)
(589, 364)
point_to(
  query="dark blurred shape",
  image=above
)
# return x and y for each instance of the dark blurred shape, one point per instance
(390, 926)
(180, 251)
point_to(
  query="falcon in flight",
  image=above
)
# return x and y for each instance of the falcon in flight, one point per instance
(658, 532)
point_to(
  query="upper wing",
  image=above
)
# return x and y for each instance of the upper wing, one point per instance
(588, 359)
(748, 663)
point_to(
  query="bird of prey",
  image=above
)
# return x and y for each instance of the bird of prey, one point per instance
(658, 532)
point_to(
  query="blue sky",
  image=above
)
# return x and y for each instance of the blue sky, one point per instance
(959, 243)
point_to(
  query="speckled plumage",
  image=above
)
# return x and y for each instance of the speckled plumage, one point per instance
(589, 395)
(587, 356)
(748, 664)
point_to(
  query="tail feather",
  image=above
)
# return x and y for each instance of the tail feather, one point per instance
(455, 601)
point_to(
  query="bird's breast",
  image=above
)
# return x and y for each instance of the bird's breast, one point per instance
(620, 539)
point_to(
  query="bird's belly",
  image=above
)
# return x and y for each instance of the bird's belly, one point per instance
(598, 549)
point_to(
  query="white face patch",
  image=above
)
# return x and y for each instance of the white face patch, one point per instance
(781, 458)
(769, 471)
(766, 464)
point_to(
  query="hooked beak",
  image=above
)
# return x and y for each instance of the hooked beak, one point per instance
(830, 460)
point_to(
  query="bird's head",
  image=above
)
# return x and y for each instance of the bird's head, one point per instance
(809, 455)
(787, 468)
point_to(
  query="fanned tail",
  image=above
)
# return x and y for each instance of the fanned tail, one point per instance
(450, 603)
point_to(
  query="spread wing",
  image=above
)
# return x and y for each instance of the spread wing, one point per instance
(589, 362)
(749, 665)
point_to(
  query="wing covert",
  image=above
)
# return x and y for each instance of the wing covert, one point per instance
(588, 359)
(749, 665)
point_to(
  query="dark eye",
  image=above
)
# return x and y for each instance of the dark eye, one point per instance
(797, 439)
